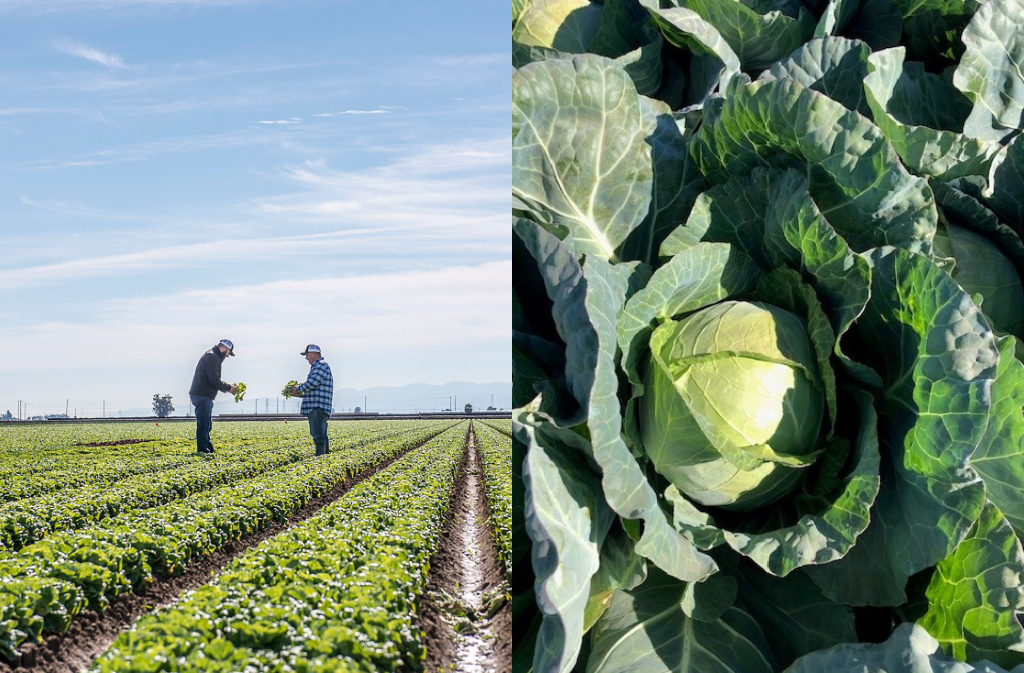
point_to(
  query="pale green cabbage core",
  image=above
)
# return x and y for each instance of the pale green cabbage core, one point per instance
(733, 406)
(982, 269)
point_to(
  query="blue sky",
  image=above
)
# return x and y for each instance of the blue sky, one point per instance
(175, 172)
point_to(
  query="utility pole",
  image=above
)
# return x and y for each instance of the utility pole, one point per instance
(364, 404)
(104, 408)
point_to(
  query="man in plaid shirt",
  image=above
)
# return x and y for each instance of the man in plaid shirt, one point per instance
(317, 395)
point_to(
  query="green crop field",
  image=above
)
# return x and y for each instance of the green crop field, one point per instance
(104, 519)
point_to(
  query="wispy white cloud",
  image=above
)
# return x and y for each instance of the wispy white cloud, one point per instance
(88, 53)
(72, 208)
(446, 199)
(462, 181)
(353, 112)
(293, 120)
(42, 6)
(145, 150)
(415, 318)
(173, 256)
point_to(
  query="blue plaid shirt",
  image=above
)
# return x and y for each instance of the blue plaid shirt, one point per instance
(318, 390)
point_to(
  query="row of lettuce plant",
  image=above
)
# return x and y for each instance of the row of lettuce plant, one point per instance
(341, 592)
(46, 584)
(33, 519)
(495, 450)
(71, 474)
(50, 458)
(501, 425)
(35, 449)
(767, 297)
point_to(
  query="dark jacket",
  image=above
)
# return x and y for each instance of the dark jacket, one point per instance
(206, 381)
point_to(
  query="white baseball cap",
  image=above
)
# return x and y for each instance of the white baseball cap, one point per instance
(227, 344)
(311, 348)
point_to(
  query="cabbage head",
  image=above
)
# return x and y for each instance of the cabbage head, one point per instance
(733, 405)
(981, 269)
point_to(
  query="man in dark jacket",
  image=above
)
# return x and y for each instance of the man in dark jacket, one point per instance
(205, 384)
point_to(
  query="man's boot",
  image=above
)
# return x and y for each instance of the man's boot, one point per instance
(319, 449)
(327, 446)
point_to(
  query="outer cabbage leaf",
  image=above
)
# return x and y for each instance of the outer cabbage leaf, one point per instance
(617, 29)
(625, 487)
(990, 70)
(923, 118)
(1005, 194)
(909, 650)
(580, 157)
(586, 305)
(975, 595)
(621, 568)
(879, 23)
(793, 613)
(561, 281)
(932, 28)
(856, 178)
(771, 216)
(834, 66)
(999, 458)
(758, 32)
(660, 628)
(686, 29)
(937, 357)
(835, 16)
(525, 613)
(567, 520)
(741, 622)
(676, 184)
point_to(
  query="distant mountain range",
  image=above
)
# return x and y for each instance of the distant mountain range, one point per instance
(382, 399)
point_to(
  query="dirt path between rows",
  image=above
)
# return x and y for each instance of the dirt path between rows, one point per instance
(91, 634)
(461, 630)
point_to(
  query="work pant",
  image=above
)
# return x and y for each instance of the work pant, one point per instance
(318, 429)
(204, 422)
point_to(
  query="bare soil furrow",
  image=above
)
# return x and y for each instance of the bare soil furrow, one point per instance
(461, 629)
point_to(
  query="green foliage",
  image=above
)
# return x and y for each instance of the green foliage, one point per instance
(241, 392)
(162, 406)
(341, 588)
(86, 548)
(853, 172)
(495, 447)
